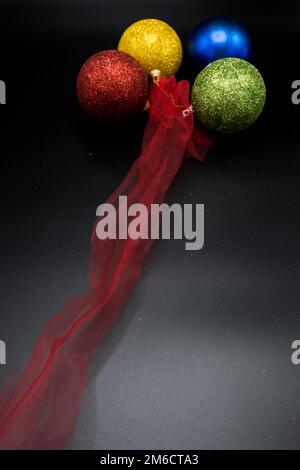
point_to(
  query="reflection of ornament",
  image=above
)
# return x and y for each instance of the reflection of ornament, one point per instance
(218, 38)
(154, 44)
(228, 95)
(112, 85)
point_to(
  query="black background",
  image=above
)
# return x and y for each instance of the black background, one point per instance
(200, 357)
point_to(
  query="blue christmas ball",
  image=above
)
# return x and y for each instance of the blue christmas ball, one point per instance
(218, 38)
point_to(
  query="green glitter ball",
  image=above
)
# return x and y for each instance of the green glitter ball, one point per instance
(228, 95)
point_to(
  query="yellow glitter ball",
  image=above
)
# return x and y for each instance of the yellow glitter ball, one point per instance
(154, 44)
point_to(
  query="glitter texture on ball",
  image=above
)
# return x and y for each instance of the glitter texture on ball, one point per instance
(154, 44)
(228, 95)
(112, 86)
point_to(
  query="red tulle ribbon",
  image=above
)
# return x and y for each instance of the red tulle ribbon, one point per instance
(39, 411)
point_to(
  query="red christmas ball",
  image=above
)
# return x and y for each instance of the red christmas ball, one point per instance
(111, 86)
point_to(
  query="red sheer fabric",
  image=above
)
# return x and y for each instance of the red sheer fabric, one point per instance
(39, 411)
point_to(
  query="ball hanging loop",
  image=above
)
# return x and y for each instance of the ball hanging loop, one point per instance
(155, 74)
